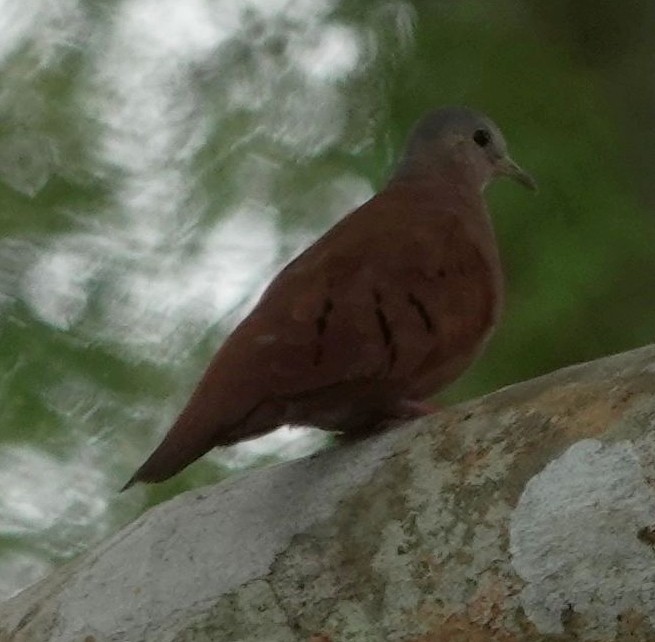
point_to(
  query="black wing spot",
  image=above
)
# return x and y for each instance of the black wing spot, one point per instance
(422, 312)
(321, 327)
(321, 322)
(385, 329)
(441, 273)
(383, 322)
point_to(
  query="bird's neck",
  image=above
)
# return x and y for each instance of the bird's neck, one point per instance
(456, 171)
(447, 190)
(448, 183)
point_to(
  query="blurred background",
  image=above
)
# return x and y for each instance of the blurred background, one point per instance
(160, 160)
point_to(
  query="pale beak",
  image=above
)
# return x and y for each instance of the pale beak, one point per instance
(507, 167)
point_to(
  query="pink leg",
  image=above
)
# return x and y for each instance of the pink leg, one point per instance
(405, 410)
(410, 409)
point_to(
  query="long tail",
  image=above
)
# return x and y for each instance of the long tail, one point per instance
(170, 457)
(195, 432)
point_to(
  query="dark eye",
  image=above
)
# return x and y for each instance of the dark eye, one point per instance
(482, 137)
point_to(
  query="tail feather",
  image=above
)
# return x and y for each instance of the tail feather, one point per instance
(175, 453)
(195, 432)
(217, 414)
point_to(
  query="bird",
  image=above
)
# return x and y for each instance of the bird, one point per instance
(388, 307)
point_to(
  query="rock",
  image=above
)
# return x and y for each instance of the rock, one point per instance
(527, 515)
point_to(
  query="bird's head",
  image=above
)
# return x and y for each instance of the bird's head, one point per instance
(460, 139)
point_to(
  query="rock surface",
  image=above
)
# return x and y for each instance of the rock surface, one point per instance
(527, 515)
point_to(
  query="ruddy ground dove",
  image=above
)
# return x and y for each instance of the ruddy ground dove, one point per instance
(385, 309)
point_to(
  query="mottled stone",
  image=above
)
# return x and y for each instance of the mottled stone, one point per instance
(525, 516)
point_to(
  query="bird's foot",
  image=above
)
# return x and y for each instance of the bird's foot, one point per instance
(411, 409)
(406, 410)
